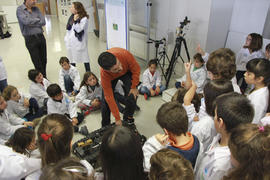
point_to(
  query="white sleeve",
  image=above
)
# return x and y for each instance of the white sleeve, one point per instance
(202, 111)
(7, 129)
(51, 107)
(81, 97)
(17, 167)
(205, 57)
(265, 121)
(146, 81)
(72, 109)
(78, 27)
(199, 77)
(61, 80)
(158, 82)
(15, 120)
(77, 80)
(150, 147)
(191, 113)
(216, 174)
(36, 92)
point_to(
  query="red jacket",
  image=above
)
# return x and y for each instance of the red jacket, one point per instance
(129, 63)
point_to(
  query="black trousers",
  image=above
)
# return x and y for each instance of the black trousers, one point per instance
(36, 45)
(128, 100)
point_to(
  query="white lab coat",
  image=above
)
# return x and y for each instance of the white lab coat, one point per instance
(259, 100)
(18, 108)
(8, 125)
(86, 97)
(198, 76)
(14, 166)
(191, 113)
(66, 107)
(243, 56)
(151, 146)
(3, 72)
(204, 130)
(38, 91)
(77, 51)
(215, 162)
(149, 81)
(265, 121)
(74, 76)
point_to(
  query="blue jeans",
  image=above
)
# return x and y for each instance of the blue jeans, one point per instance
(3, 84)
(34, 110)
(68, 84)
(145, 90)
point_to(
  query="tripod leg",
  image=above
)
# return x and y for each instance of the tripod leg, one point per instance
(185, 44)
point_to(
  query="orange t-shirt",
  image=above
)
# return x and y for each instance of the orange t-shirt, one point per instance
(128, 63)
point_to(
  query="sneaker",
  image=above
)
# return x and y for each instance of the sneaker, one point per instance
(76, 128)
(129, 120)
(7, 35)
(84, 131)
(145, 96)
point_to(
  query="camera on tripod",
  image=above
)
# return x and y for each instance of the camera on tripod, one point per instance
(179, 30)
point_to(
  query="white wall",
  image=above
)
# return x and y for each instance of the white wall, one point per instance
(219, 24)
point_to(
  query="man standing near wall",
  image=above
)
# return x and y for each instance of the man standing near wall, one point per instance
(118, 64)
(31, 21)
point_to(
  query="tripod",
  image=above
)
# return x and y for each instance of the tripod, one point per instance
(176, 53)
(161, 56)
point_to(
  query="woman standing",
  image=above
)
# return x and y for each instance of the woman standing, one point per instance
(76, 38)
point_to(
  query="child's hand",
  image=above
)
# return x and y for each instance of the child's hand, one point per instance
(26, 102)
(199, 50)
(267, 114)
(163, 139)
(74, 121)
(28, 123)
(196, 118)
(152, 92)
(187, 66)
(157, 90)
(95, 103)
(73, 93)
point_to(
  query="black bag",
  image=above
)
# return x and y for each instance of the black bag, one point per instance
(88, 148)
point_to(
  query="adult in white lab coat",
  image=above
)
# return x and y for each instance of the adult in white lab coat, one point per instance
(76, 38)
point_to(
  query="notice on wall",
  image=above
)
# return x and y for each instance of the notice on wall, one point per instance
(116, 23)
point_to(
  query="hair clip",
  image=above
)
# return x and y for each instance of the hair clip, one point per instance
(45, 136)
(261, 129)
(76, 169)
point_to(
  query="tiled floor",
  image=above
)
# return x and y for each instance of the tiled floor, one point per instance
(17, 61)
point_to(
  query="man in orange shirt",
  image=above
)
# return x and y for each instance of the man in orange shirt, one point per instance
(118, 64)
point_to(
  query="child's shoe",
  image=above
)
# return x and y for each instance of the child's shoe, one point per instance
(145, 96)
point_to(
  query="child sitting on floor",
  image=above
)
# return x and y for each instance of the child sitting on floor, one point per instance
(196, 72)
(20, 105)
(90, 93)
(59, 103)
(9, 123)
(151, 85)
(69, 77)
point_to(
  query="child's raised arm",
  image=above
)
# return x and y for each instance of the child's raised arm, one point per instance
(190, 94)
(188, 82)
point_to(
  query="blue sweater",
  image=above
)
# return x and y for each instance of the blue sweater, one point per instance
(191, 154)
